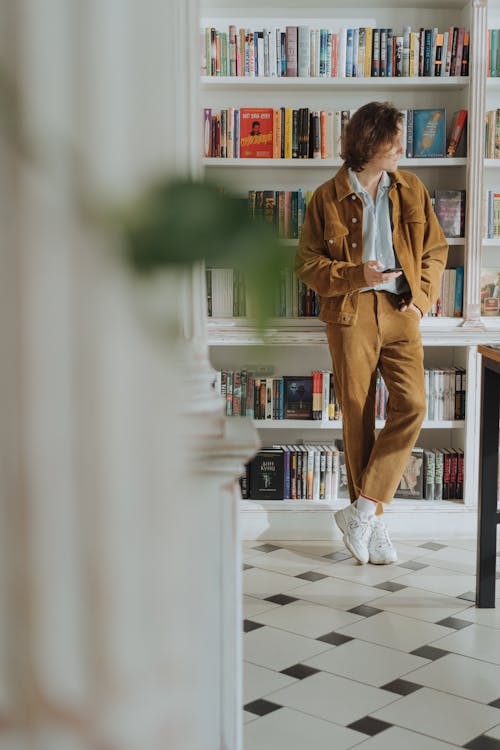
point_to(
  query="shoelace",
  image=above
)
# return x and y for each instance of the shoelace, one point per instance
(380, 535)
(365, 527)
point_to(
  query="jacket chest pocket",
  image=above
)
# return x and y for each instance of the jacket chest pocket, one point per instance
(335, 238)
(413, 227)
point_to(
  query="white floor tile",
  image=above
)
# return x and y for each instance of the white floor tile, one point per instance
(439, 580)
(462, 676)
(488, 617)
(318, 549)
(451, 558)
(288, 562)
(277, 649)
(248, 717)
(253, 606)
(332, 698)
(476, 641)
(396, 738)
(420, 604)
(333, 592)
(445, 717)
(366, 662)
(290, 730)
(408, 551)
(259, 681)
(394, 631)
(305, 618)
(263, 583)
(368, 575)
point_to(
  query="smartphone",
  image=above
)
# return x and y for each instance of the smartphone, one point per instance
(391, 270)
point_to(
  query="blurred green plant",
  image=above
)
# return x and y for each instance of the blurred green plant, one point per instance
(179, 222)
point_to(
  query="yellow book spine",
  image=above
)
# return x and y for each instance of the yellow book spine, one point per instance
(288, 132)
(368, 51)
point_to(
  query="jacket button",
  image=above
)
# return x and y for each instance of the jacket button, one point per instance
(354, 244)
(347, 317)
(331, 242)
(354, 220)
(353, 197)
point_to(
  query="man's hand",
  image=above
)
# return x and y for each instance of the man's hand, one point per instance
(372, 271)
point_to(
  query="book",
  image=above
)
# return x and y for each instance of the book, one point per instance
(430, 473)
(412, 481)
(450, 211)
(267, 475)
(298, 397)
(490, 292)
(256, 133)
(428, 133)
(457, 128)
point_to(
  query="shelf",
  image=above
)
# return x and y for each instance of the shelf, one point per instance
(306, 505)
(311, 424)
(311, 332)
(212, 161)
(278, 82)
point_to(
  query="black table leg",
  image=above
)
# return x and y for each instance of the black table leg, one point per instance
(488, 516)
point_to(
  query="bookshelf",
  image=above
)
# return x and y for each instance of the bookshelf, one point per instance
(235, 342)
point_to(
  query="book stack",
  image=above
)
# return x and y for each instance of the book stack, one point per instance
(304, 133)
(312, 397)
(316, 472)
(492, 134)
(352, 52)
(492, 215)
(450, 301)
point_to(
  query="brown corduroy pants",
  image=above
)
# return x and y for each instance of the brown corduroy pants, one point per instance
(386, 338)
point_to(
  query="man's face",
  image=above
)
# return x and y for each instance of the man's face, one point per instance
(388, 156)
(256, 128)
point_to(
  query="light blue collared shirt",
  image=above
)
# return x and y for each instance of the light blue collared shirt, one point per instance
(377, 232)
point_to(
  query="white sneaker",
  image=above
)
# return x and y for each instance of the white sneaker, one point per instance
(380, 547)
(357, 529)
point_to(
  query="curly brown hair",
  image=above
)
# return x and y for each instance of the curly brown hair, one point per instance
(373, 125)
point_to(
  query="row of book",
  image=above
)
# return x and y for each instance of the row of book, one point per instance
(492, 215)
(285, 210)
(317, 472)
(493, 59)
(492, 134)
(356, 52)
(312, 397)
(304, 133)
(227, 295)
(490, 291)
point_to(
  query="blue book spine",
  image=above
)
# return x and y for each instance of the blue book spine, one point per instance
(388, 54)
(281, 398)
(236, 134)
(323, 46)
(459, 292)
(287, 472)
(409, 134)
(348, 53)
(427, 51)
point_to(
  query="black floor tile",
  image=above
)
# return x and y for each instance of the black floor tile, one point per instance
(433, 546)
(299, 671)
(469, 596)
(336, 639)
(454, 622)
(430, 652)
(281, 599)
(413, 565)
(495, 704)
(311, 575)
(365, 610)
(247, 567)
(248, 626)
(338, 556)
(261, 707)
(401, 687)
(390, 586)
(369, 726)
(483, 743)
(266, 548)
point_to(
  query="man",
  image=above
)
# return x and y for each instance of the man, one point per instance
(371, 217)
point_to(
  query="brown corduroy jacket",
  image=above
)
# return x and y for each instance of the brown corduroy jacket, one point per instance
(329, 258)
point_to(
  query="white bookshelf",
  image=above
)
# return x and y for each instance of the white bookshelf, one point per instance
(235, 342)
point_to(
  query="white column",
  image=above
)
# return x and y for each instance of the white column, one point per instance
(117, 555)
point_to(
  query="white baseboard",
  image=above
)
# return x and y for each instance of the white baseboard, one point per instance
(404, 519)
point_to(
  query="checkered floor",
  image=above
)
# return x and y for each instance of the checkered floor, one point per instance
(340, 655)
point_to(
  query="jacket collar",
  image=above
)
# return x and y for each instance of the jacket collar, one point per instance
(343, 186)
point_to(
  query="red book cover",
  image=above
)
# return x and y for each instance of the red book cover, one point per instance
(256, 133)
